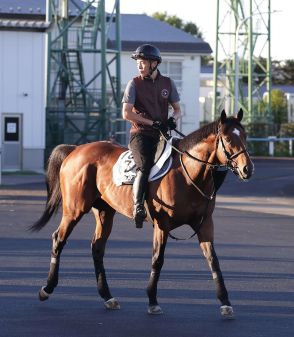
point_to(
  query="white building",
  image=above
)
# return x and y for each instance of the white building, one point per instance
(23, 68)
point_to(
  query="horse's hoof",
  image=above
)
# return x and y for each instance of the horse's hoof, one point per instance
(154, 310)
(112, 304)
(227, 312)
(43, 295)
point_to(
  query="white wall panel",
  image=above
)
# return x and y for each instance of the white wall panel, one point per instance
(22, 72)
(190, 93)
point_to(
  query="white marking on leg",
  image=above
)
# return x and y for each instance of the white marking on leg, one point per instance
(214, 275)
(53, 260)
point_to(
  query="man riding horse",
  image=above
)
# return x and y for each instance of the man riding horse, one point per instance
(146, 102)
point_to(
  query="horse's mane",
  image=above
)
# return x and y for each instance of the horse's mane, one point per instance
(212, 128)
(197, 136)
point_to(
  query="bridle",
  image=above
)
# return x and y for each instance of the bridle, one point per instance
(230, 164)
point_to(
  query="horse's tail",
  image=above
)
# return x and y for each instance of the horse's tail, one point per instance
(55, 161)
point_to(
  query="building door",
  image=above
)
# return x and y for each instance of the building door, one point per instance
(11, 142)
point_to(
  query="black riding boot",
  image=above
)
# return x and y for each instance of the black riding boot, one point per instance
(139, 188)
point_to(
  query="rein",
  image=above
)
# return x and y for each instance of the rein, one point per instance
(230, 164)
(189, 154)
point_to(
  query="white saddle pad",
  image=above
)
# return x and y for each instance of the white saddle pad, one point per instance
(124, 170)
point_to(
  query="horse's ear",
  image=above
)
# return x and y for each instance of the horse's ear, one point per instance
(240, 115)
(223, 117)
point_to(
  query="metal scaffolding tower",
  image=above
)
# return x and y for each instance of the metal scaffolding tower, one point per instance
(243, 58)
(83, 76)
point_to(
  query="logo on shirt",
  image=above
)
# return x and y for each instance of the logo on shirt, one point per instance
(164, 93)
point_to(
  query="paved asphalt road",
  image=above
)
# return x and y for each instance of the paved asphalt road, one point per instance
(254, 241)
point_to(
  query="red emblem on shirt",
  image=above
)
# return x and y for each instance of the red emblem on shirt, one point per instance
(164, 93)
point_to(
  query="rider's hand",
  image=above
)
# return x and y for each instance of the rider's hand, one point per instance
(171, 123)
(158, 125)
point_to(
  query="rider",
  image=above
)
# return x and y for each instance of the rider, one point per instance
(145, 104)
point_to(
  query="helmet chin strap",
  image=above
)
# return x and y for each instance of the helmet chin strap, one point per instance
(151, 70)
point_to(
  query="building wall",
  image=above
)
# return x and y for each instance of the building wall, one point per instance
(206, 97)
(22, 65)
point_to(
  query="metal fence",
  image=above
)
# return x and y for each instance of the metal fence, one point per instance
(271, 146)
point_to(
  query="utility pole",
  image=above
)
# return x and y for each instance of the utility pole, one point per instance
(243, 50)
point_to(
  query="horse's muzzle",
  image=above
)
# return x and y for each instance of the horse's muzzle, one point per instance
(245, 172)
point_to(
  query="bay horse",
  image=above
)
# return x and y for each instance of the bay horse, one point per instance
(80, 177)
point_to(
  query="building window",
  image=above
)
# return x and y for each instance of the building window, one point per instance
(173, 69)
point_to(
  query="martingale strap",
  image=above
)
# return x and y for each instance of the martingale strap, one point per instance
(182, 239)
(209, 198)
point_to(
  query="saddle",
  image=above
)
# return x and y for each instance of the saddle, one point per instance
(124, 170)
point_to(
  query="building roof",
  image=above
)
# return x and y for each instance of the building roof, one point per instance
(28, 14)
(136, 29)
(32, 7)
(24, 24)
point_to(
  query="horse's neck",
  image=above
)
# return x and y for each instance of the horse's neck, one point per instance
(204, 151)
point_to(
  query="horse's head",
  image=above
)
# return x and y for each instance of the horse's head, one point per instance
(231, 146)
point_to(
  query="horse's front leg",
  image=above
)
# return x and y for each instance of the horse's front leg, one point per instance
(159, 243)
(206, 244)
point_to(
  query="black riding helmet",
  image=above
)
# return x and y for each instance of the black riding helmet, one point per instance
(149, 53)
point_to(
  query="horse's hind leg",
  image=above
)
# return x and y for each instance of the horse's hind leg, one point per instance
(159, 243)
(59, 238)
(104, 219)
(206, 244)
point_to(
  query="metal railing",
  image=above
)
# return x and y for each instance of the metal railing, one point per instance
(272, 143)
(0, 166)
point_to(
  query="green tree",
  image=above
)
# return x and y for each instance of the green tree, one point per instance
(175, 21)
(193, 29)
(288, 69)
(279, 107)
(188, 27)
(283, 72)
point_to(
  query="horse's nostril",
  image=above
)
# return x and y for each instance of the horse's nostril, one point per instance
(245, 169)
